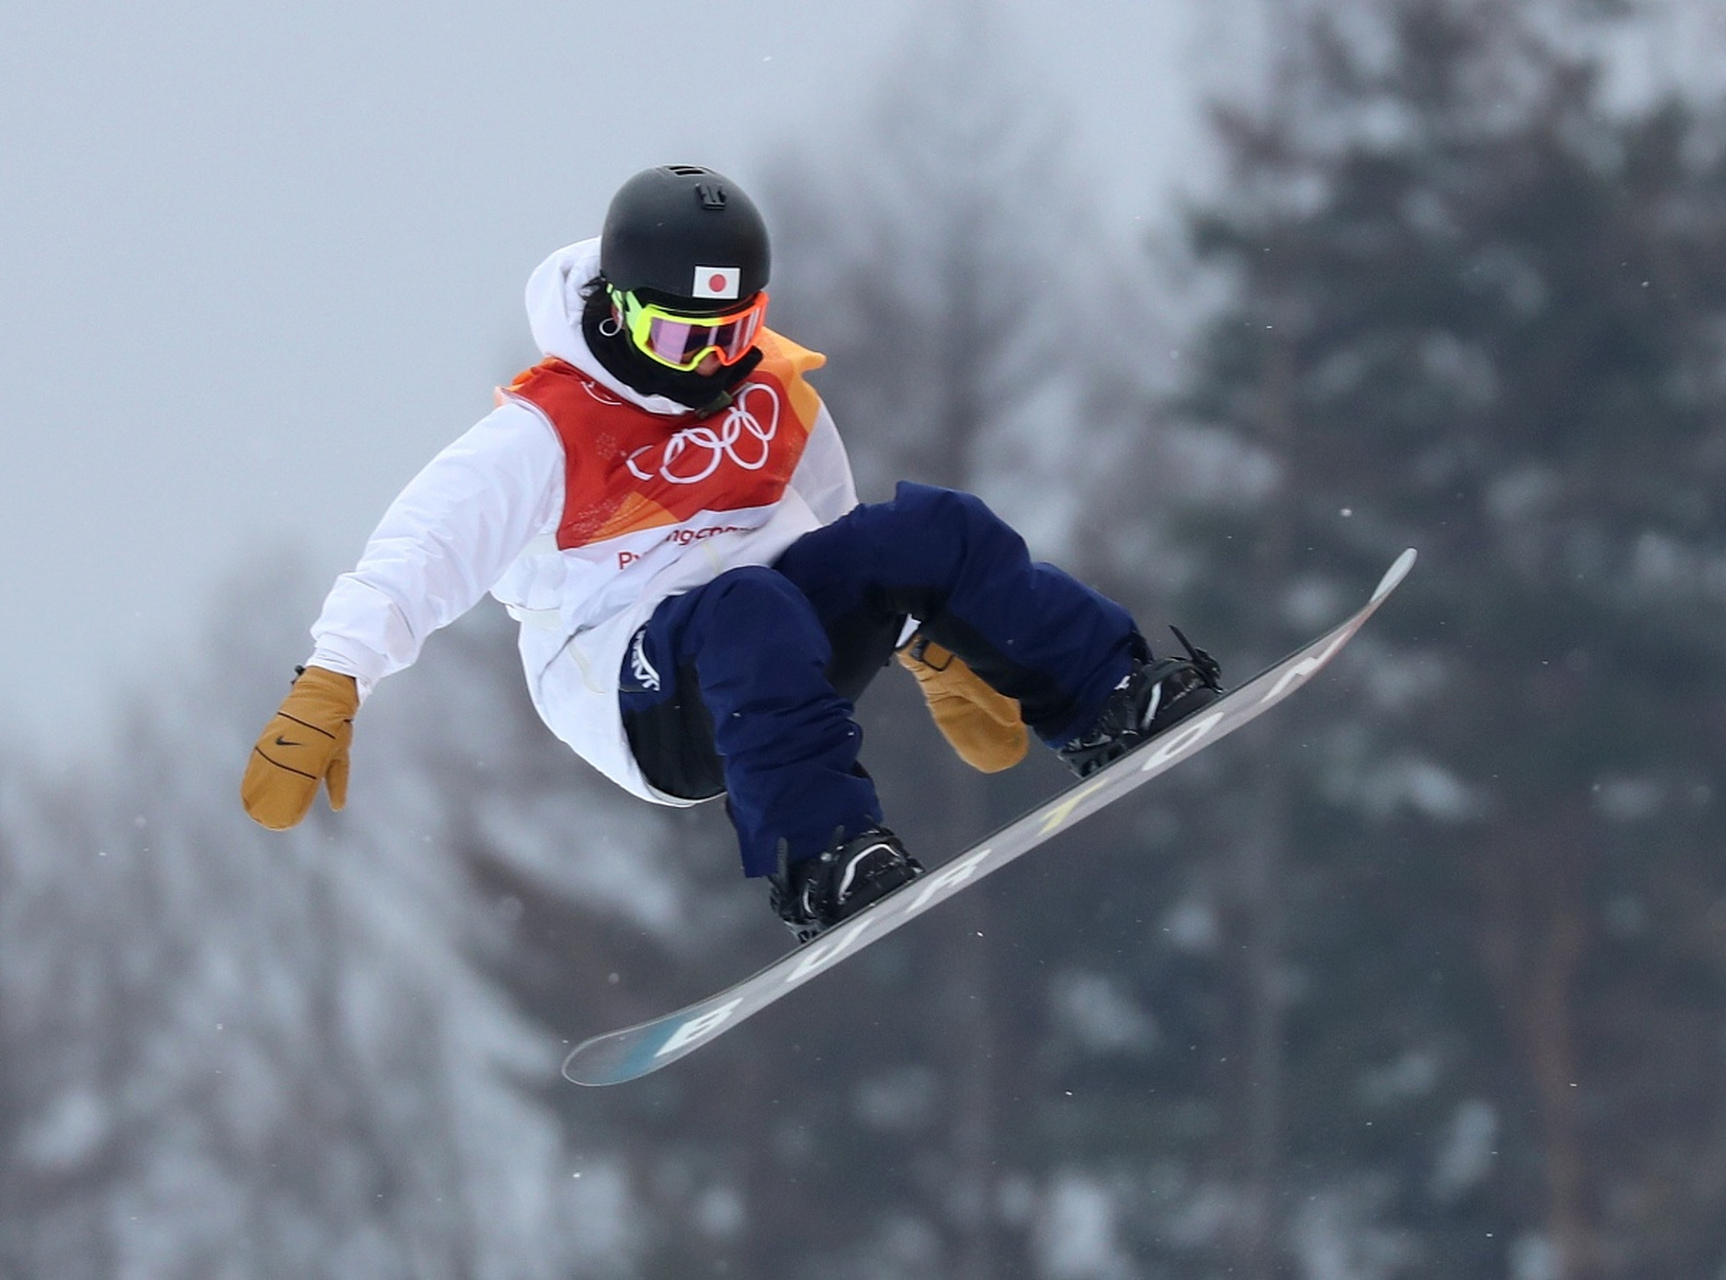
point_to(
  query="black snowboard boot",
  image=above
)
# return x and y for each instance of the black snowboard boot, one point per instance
(817, 893)
(1155, 695)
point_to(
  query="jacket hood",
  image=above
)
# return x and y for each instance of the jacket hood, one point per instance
(554, 306)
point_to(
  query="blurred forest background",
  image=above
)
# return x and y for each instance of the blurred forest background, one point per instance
(1422, 976)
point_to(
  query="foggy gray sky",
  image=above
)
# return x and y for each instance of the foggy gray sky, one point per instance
(262, 260)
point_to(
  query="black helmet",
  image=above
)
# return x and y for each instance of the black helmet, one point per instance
(687, 234)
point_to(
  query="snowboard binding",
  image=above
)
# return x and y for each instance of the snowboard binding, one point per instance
(1155, 695)
(816, 893)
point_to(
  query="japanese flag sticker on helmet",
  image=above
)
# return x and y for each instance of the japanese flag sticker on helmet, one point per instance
(715, 282)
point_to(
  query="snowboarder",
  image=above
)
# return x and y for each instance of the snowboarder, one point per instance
(664, 504)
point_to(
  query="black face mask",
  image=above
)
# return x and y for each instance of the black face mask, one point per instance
(705, 394)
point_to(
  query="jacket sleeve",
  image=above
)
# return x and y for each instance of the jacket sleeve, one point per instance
(442, 544)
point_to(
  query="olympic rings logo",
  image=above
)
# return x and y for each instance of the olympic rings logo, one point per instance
(695, 453)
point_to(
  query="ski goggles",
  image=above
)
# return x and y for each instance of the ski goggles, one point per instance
(681, 340)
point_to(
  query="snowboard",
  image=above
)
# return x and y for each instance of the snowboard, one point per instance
(635, 1051)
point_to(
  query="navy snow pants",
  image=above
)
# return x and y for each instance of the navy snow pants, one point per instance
(745, 685)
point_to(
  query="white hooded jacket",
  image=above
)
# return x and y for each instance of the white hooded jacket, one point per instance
(489, 513)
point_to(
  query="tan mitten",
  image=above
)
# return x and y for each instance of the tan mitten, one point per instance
(982, 724)
(304, 744)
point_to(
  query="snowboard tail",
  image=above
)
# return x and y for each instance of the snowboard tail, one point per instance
(635, 1051)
